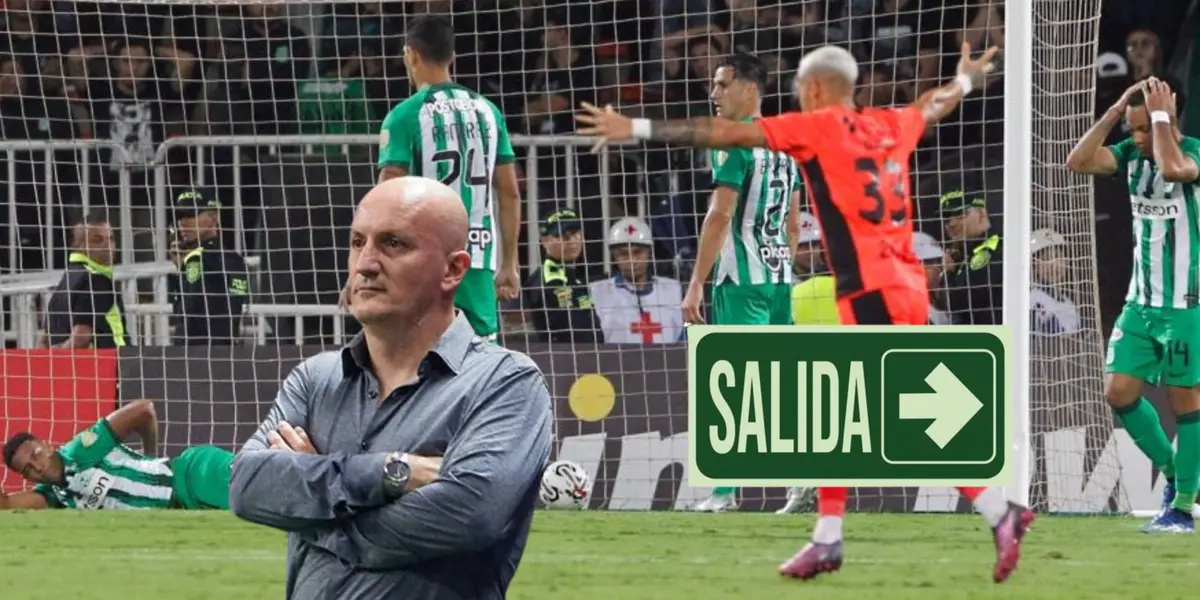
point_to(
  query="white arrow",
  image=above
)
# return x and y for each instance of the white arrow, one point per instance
(951, 405)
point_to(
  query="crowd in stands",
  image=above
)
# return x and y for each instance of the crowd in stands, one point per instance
(133, 75)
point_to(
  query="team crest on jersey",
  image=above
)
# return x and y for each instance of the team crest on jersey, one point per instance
(193, 271)
(87, 438)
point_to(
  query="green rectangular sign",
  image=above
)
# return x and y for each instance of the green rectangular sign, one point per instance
(848, 406)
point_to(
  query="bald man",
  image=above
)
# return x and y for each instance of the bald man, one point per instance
(855, 166)
(407, 464)
(85, 310)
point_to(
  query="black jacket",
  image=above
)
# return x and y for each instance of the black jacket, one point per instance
(976, 287)
(211, 290)
(558, 295)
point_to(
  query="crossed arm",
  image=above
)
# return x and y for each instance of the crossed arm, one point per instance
(501, 447)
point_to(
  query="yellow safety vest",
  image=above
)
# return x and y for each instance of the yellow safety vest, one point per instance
(814, 301)
(116, 322)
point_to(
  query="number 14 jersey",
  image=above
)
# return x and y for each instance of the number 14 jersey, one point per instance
(456, 136)
(855, 166)
(756, 250)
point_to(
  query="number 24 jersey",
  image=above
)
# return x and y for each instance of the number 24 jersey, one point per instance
(855, 166)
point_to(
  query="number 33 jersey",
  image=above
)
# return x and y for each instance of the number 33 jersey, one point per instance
(756, 250)
(855, 166)
(456, 136)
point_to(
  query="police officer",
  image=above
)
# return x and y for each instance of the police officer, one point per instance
(212, 286)
(557, 291)
(974, 270)
(85, 310)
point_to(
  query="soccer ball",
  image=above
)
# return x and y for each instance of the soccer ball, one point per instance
(565, 484)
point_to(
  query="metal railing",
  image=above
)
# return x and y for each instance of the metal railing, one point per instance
(150, 322)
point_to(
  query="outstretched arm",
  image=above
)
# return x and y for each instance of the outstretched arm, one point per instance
(137, 417)
(938, 103)
(704, 132)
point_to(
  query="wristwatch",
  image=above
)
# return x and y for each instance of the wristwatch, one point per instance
(396, 471)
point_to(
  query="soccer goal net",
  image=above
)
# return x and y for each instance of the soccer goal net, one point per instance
(113, 111)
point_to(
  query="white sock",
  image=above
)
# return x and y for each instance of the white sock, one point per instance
(828, 530)
(992, 505)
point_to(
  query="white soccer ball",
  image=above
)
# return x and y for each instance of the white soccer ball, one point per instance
(565, 484)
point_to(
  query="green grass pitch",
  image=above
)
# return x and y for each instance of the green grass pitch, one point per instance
(606, 555)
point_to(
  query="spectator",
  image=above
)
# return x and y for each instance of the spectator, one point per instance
(275, 58)
(561, 76)
(877, 88)
(30, 35)
(212, 284)
(930, 253)
(1143, 52)
(133, 107)
(1053, 311)
(85, 310)
(975, 291)
(557, 293)
(634, 305)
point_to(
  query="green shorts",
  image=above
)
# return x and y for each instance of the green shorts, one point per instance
(476, 297)
(1154, 345)
(762, 304)
(201, 478)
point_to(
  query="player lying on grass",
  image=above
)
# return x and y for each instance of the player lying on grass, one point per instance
(855, 166)
(1151, 340)
(95, 470)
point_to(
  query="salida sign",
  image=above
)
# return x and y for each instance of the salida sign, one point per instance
(848, 406)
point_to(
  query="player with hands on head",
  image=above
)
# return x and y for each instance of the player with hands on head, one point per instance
(1151, 340)
(855, 166)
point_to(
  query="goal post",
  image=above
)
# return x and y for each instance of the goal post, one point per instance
(274, 108)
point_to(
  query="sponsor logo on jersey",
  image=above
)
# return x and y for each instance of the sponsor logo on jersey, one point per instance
(450, 106)
(96, 490)
(479, 237)
(1155, 209)
(87, 438)
(775, 257)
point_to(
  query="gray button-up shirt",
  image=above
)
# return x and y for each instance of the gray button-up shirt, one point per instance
(486, 409)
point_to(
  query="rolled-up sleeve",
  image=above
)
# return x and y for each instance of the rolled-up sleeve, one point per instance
(489, 468)
(293, 491)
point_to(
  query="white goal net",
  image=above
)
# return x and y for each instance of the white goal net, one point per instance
(110, 111)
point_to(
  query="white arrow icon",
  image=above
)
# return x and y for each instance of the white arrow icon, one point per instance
(951, 405)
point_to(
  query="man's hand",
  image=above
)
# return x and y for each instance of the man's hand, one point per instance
(691, 306)
(508, 283)
(608, 124)
(1123, 102)
(176, 253)
(1160, 97)
(292, 439)
(423, 471)
(976, 69)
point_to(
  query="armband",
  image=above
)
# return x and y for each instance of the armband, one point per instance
(1160, 116)
(641, 129)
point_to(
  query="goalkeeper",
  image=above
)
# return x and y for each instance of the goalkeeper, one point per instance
(456, 136)
(751, 229)
(96, 471)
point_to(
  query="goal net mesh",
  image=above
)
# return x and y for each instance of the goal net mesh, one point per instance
(273, 110)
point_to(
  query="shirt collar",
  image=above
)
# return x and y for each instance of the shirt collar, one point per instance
(623, 284)
(450, 350)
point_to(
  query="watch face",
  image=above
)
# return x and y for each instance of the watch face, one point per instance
(397, 469)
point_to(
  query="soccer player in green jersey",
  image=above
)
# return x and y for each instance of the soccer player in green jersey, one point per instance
(752, 227)
(456, 136)
(96, 471)
(1152, 338)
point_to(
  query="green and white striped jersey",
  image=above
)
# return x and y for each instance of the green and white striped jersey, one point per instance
(456, 136)
(756, 249)
(1166, 230)
(103, 473)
